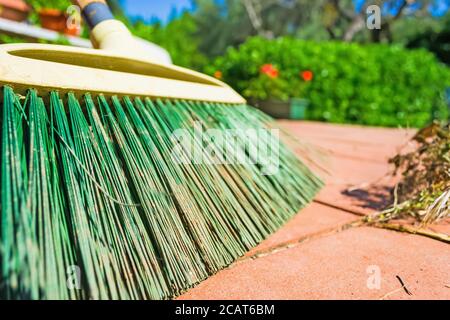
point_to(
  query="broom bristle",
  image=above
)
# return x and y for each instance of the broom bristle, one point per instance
(96, 206)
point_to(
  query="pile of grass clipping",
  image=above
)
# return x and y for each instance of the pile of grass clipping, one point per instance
(424, 190)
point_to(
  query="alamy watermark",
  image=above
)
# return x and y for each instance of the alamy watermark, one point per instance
(260, 147)
(74, 18)
(373, 17)
(374, 280)
(73, 277)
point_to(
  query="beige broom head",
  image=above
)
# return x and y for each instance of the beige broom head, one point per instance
(120, 66)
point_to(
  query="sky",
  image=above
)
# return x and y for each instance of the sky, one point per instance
(162, 9)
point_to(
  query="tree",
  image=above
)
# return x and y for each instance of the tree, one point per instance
(178, 37)
(436, 42)
(349, 17)
(233, 21)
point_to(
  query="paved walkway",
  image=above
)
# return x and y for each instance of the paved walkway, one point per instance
(311, 257)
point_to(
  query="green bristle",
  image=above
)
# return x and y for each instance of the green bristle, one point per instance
(93, 185)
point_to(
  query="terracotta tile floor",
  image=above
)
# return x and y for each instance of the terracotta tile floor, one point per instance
(311, 258)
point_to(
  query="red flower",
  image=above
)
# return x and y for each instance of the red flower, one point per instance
(269, 70)
(218, 74)
(307, 75)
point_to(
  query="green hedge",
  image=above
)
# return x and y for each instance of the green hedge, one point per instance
(366, 84)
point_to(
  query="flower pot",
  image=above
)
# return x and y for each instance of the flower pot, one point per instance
(16, 10)
(294, 109)
(56, 20)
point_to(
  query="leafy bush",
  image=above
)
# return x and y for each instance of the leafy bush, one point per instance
(177, 37)
(366, 84)
(54, 4)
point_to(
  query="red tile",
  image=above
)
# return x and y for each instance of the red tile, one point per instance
(311, 221)
(442, 226)
(305, 260)
(363, 143)
(339, 267)
(349, 133)
(358, 176)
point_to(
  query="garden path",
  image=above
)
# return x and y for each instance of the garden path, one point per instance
(314, 256)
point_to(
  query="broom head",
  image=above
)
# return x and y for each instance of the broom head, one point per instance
(78, 70)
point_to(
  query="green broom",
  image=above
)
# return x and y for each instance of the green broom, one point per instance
(107, 190)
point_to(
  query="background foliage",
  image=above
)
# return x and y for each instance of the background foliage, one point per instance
(193, 38)
(372, 84)
(359, 75)
(176, 37)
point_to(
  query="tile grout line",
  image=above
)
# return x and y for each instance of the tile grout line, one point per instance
(389, 226)
(293, 243)
(313, 236)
